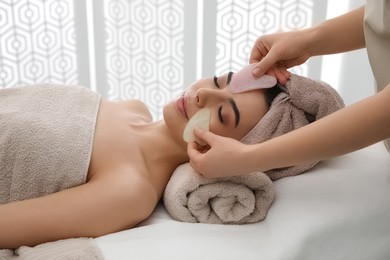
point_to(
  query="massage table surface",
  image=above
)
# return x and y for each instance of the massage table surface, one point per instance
(340, 209)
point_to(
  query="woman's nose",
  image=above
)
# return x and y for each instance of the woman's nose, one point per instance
(206, 97)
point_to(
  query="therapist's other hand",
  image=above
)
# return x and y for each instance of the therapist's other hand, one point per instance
(221, 157)
(275, 53)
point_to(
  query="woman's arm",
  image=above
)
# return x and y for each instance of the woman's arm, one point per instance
(96, 208)
(346, 130)
(340, 34)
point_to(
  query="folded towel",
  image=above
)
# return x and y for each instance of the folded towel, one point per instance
(46, 139)
(189, 197)
(76, 249)
(301, 101)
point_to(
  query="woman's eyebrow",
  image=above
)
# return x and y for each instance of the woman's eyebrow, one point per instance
(229, 77)
(236, 112)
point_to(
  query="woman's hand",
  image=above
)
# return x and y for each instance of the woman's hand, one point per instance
(222, 157)
(275, 53)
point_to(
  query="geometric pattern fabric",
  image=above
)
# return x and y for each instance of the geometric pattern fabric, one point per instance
(144, 49)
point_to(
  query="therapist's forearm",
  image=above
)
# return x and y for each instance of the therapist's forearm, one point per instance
(344, 131)
(340, 34)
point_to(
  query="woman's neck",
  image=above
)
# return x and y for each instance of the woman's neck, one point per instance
(160, 147)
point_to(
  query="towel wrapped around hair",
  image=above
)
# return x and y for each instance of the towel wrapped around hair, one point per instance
(190, 197)
(301, 101)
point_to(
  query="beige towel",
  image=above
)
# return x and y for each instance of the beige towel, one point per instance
(46, 142)
(74, 249)
(301, 101)
(189, 197)
(46, 139)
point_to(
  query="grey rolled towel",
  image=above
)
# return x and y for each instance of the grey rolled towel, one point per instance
(190, 197)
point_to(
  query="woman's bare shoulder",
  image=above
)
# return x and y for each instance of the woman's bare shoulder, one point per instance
(139, 107)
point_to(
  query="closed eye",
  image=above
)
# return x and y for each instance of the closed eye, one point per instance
(216, 81)
(229, 77)
(236, 112)
(220, 114)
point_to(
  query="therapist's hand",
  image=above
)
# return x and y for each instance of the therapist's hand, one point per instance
(223, 156)
(275, 53)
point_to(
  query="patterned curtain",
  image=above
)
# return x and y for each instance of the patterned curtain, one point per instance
(37, 42)
(239, 23)
(144, 49)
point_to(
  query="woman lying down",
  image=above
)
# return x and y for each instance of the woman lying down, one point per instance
(75, 165)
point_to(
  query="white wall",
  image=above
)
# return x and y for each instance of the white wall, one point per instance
(350, 73)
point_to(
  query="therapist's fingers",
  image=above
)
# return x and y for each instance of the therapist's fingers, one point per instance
(194, 149)
(258, 52)
(195, 153)
(200, 157)
(281, 73)
(205, 135)
(265, 64)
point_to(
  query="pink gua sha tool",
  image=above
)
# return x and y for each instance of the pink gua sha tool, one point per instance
(243, 80)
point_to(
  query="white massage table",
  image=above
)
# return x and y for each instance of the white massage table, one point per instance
(338, 210)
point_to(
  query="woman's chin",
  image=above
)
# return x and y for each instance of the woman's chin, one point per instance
(174, 119)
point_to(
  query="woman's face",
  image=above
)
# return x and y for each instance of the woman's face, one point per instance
(232, 115)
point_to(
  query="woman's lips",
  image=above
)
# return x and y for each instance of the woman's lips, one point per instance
(182, 105)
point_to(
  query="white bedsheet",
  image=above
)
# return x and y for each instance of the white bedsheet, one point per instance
(338, 210)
